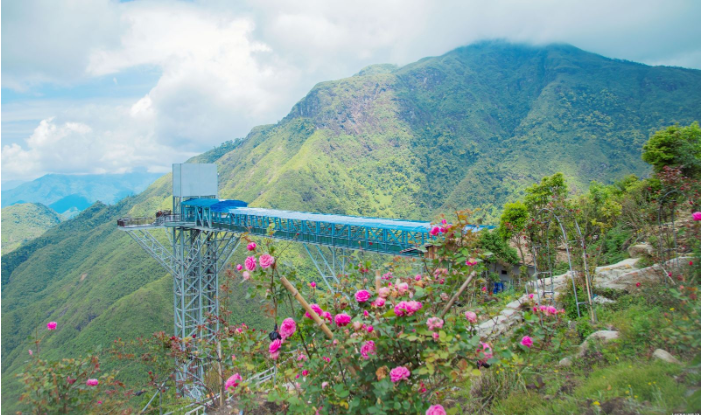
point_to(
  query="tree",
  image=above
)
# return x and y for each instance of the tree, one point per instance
(676, 146)
(513, 223)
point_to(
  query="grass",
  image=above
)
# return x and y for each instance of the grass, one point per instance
(618, 376)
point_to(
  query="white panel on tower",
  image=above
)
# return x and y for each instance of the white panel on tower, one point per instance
(195, 180)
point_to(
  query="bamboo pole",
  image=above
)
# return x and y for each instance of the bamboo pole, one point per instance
(457, 294)
(316, 318)
(220, 377)
(377, 281)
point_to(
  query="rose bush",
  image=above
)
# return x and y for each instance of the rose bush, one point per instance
(392, 349)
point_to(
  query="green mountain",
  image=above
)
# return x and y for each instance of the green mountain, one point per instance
(24, 222)
(466, 129)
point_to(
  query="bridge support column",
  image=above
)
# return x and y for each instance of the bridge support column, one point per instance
(195, 259)
(329, 262)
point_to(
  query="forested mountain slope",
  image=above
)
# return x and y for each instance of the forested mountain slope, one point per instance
(25, 221)
(466, 129)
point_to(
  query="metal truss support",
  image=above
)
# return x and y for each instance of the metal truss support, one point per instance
(195, 259)
(328, 266)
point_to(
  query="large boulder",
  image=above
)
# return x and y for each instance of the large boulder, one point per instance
(640, 250)
(664, 356)
(603, 336)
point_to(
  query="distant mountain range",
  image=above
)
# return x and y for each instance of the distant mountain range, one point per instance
(468, 129)
(70, 194)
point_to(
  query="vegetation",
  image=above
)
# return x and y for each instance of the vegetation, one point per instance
(676, 147)
(474, 127)
(23, 222)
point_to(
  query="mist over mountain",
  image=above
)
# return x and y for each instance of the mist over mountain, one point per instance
(467, 129)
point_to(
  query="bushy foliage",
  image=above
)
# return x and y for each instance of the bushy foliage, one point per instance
(676, 146)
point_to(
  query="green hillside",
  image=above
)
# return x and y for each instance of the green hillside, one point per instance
(466, 129)
(23, 222)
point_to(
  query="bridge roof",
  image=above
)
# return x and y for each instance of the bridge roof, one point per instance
(239, 207)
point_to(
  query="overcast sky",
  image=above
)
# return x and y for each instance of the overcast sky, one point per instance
(98, 86)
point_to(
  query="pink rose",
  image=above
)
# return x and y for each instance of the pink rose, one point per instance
(384, 292)
(436, 336)
(471, 316)
(551, 310)
(327, 316)
(327, 359)
(274, 355)
(252, 246)
(370, 329)
(379, 302)
(402, 288)
(362, 296)
(368, 348)
(418, 277)
(543, 308)
(697, 216)
(530, 296)
(250, 263)
(266, 260)
(245, 275)
(414, 306)
(366, 313)
(304, 372)
(527, 341)
(483, 289)
(70, 380)
(51, 325)
(471, 262)
(239, 267)
(357, 325)
(92, 382)
(399, 373)
(324, 385)
(233, 381)
(316, 308)
(30, 352)
(435, 230)
(401, 309)
(288, 327)
(486, 349)
(444, 222)
(434, 323)
(342, 320)
(436, 410)
(313, 284)
(274, 346)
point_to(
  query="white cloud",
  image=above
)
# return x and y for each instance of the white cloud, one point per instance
(72, 147)
(228, 66)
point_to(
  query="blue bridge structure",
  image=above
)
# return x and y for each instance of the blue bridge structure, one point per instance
(202, 232)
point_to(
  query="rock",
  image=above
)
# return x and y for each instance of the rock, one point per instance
(602, 300)
(640, 250)
(567, 361)
(508, 312)
(664, 356)
(515, 304)
(598, 336)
